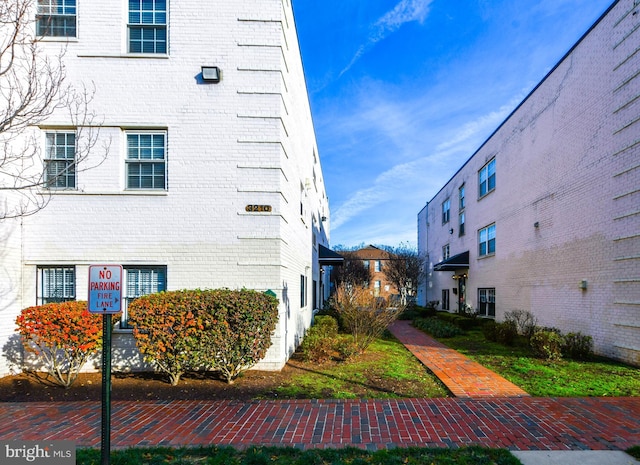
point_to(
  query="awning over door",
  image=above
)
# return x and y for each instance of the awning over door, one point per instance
(326, 256)
(453, 263)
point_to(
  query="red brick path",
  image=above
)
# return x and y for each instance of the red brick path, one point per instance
(524, 423)
(463, 377)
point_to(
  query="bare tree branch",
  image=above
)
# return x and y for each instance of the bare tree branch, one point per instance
(32, 88)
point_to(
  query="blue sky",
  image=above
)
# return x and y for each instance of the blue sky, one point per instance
(404, 91)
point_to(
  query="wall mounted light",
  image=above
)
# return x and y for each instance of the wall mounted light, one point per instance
(451, 231)
(211, 74)
(583, 284)
(536, 225)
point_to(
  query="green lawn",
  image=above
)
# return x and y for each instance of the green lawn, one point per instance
(385, 370)
(566, 378)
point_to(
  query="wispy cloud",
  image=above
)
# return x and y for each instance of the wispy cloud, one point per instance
(408, 178)
(404, 12)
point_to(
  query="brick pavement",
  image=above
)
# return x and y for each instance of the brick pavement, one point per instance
(479, 415)
(524, 423)
(462, 376)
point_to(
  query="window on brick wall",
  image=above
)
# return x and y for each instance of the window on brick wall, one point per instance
(377, 266)
(445, 299)
(487, 302)
(139, 281)
(303, 291)
(56, 18)
(60, 160)
(461, 212)
(55, 284)
(487, 178)
(446, 211)
(487, 241)
(445, 252)
(146, 160)
(147, 26)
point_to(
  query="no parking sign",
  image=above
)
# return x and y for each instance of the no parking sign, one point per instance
(105, 289)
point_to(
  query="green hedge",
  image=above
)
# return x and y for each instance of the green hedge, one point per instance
(224, 330)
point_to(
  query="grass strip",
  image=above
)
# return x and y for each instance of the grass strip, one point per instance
(214, 455)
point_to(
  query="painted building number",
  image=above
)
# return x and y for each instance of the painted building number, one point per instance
(105, 289)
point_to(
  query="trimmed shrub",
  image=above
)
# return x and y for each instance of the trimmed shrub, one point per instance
(437, 327)
(463, 321)
(224, 330)
(346, 348)
(319, 343)
(242, 323)
(506, 333)
(490, 331)
(62, 336)
(577, 346)
(547, 345)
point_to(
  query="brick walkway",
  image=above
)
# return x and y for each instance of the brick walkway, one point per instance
(524, 423)
(463, 377)
(497, 418)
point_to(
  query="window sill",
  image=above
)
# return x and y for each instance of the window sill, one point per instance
(157, 56)
(487, 194)
(489, 255)
(142, 192)
(57, 39)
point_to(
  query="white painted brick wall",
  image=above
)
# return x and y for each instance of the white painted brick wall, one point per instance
(247, 140)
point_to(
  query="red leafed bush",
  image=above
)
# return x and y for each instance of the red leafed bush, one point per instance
(223, 330)
(62, 336)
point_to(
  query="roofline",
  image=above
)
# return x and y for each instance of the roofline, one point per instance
(564, 57)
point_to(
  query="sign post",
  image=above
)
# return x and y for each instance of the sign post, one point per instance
(105, 297)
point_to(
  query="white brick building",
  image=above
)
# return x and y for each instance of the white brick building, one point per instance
(545, 215)
(173, 202)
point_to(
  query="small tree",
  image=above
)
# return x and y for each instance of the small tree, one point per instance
(32, 88)
(364, 315)
(62, 336)
(404, 269)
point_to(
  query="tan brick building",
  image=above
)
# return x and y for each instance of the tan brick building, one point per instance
(375, 259)
(545, 215)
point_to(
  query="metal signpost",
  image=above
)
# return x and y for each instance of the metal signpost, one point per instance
(105, 298)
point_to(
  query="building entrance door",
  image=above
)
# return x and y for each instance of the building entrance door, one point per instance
(462, 293)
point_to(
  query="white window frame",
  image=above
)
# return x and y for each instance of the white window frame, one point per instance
(446, 251)
(55, 283)
(446, 211)
(148, 22)
(155, 282)
(55, 16)
(487, 302)
(377, 266)
(487, 178)
(142, 159)
(60, 160)
(487, 241)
